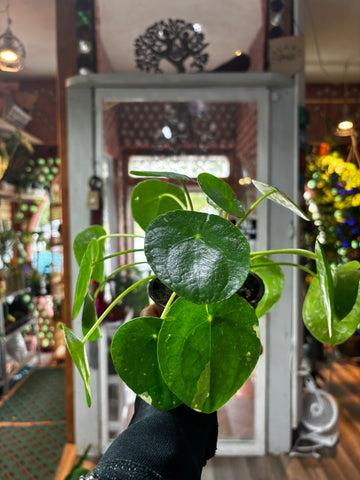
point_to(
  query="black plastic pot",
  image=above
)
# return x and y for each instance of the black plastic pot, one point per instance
(158, 292)
(252, 290)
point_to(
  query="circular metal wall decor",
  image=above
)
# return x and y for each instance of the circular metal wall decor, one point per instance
(177, 42)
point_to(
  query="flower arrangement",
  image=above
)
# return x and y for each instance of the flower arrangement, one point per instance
(332, 194)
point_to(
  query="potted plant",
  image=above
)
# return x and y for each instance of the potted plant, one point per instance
(207, 342)
(9, 269)
(11, 145)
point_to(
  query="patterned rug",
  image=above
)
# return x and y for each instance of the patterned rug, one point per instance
(33, 428)
(40, 398)
(31, 453)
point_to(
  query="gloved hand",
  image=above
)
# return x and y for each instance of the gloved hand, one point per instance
(160, 445)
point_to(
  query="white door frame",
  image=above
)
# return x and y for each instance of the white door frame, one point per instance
(277, 165)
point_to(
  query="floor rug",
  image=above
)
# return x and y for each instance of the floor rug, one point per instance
(33, 427)
(40, 398)
(31, 453)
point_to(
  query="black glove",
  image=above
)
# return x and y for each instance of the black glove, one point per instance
(160, 445)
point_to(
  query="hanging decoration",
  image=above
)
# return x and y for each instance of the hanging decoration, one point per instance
(12, 50)
(29, 173)
(186, 126)
(278, 11)
(177, 42)
(279, 46)
(85, 33)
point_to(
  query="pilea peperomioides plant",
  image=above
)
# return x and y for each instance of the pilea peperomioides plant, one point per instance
(207, 341)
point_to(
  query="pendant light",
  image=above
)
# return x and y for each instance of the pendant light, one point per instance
(12, 51)
(345, 127)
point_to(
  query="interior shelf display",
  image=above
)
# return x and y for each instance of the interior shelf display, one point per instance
(19, 339)
(30, 249)
(8, 128)
(30, 268)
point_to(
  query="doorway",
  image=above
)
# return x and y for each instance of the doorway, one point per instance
(272, 99)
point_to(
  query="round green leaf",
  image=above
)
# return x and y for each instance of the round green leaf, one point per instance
(221, 194)
(207, 352)
(203, 258)
(346, 285)
(273, 278)
(134, 354)
(316, 321)
(82, 240)
(152, 198)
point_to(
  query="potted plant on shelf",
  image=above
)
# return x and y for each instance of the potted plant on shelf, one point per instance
(11, 145)
(10, 272)
(207, 341)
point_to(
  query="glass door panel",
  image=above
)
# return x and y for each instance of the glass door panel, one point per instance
(189, 138)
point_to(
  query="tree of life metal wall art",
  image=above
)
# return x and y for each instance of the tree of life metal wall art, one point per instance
(177, 42)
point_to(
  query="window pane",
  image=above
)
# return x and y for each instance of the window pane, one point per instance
(190, 165)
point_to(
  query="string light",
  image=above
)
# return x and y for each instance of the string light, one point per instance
(245, 181)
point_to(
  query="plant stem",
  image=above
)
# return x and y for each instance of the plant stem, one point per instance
(117, 254)
(116, 235)
(187, 194)
(307, 270)
(168, 305)
(123, 267)
(253, 206)
(112, 305)
(177, 200)
(292, 251)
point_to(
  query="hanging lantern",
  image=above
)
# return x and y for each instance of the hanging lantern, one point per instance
(12, 51)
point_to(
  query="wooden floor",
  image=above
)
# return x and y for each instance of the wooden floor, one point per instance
(342, 463)
(342, 380)
(68, 460)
